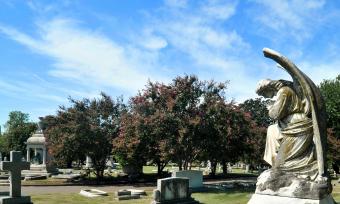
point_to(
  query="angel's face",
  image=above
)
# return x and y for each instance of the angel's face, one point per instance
(269, 93)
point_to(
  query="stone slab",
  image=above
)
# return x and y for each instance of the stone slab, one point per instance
(92, 193)
(122, 193)
(137, 192)
(128, 197)
(195, 177)
(268, 199)
(15, 200)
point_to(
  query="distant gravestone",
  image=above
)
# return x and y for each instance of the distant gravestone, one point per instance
(173, 191)
(14, 166)
(195, 177)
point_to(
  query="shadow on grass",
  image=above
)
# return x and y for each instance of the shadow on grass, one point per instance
(235, 196)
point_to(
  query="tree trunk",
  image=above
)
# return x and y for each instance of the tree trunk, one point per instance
(213, 168)
(224, 167)
(180, 165)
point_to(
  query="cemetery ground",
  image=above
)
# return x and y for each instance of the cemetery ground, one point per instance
(53, 191)
(232, 196)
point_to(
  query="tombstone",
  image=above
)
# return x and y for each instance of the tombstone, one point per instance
(14, 166)
(88, 162)
(195, 177)
(128, 194)
(173, 191)
(247, 168)
(91, 193)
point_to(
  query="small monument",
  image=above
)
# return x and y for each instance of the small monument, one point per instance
(195, 177)
(14, 166)
(37, 155)
(296, 143)
(173, 191)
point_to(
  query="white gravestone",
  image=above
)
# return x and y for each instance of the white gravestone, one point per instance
(173, 191)
(15, 166)
(195, 177)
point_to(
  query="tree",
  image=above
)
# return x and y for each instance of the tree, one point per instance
(257, 109)
(148, 129)
(330, 90)
(18, 130)
(164, 122)
(88, 127)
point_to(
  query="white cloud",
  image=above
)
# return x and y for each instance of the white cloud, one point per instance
(289, 18)
(176, 3)
(319, 71)
(219, 9)
(87, 56)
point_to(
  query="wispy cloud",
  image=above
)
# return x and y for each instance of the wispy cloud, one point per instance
(86, 55)
(289, 18)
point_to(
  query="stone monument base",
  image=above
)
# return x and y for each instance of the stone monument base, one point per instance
(270, 199)
(15, 200)
(187, 201)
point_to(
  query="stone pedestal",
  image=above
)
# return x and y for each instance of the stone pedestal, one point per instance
(173, 191)
(195, 177)
(269, 199)
(15, 200)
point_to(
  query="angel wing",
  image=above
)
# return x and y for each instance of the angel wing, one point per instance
(314, 104)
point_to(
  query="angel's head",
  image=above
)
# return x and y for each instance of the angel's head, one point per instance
(268, 88)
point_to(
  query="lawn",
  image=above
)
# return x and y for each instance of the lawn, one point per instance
(208, 197)
(211, 197)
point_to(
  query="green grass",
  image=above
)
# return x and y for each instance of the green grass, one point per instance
(76, 198)
(211, 197)
(214, 197)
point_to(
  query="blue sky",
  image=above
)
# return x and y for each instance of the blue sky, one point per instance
(50, 50)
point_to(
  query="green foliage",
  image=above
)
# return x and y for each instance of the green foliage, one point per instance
(258, 112)
(257, 108)
(183, 121)
(88, 127)
(330, 90)
(18, 130)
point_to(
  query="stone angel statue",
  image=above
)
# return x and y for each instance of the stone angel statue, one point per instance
(296, 143)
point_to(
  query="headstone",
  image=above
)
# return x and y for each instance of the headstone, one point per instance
(128, 194)
(14, 166)
(173, 191)
(247, 168)
(88, 162)
(195, 177)
(91, 193)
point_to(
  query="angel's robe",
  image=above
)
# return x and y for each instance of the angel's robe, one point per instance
(290, 145)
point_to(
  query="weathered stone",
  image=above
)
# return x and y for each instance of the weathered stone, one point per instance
(290, 185)
(173, 190)
(268, 199)
(40, 160)
(127, 197)
(122, 192)
(92, 193)
(137, 191)
(14, 166)
(296, 143)
(195, 177)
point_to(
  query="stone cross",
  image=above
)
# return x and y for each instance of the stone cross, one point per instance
(14, 166)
